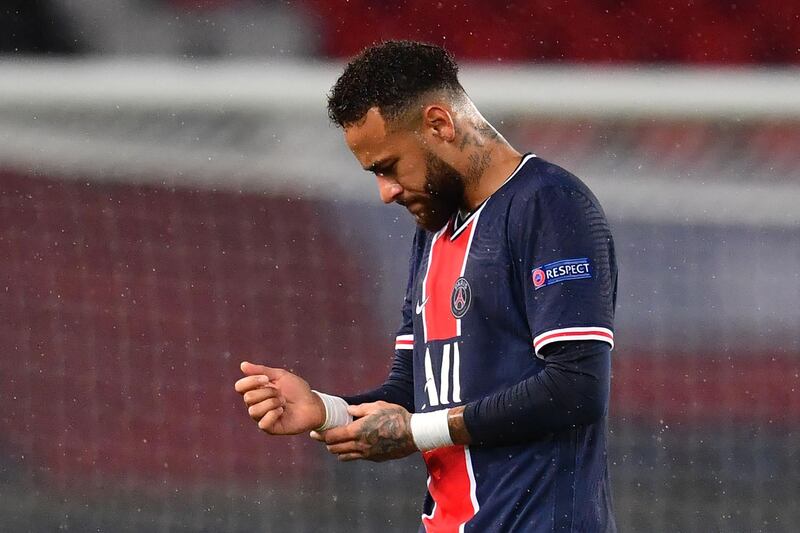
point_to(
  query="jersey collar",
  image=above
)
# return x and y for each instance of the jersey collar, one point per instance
(457, 230)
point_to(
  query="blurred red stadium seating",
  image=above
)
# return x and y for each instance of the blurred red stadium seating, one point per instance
(703, 31)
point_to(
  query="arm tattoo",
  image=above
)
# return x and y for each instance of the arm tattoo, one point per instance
(388, 433)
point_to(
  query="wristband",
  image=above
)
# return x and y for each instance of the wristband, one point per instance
(430, 430)
(335, 411)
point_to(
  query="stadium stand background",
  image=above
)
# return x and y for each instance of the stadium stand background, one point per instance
(134, 274)
(608, 31)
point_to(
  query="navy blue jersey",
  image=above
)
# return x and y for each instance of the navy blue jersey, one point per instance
(533, 265)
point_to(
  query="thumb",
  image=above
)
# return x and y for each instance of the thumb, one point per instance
(250, 369)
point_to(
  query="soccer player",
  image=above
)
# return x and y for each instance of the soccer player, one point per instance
(500, 376)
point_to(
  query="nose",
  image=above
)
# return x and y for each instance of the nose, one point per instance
(389, 189)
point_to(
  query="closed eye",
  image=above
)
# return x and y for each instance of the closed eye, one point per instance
(385, 171)
(383, 168)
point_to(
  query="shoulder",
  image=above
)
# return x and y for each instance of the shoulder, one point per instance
(538, 177)
(541, 188)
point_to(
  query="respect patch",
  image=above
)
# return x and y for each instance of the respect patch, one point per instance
(558, 271)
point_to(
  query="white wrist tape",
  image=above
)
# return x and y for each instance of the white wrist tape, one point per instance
(335, 411)
(430, 430)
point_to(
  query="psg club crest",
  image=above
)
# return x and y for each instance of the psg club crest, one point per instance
(461, 298)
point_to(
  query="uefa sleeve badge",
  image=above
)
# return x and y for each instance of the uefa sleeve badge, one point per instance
(560, 271)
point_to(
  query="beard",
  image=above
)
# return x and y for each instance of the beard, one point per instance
(445, 187)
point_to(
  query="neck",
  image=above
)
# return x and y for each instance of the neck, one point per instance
(488, 161)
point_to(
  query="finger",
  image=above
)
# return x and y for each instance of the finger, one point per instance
(250, 383)
(268, 420)
(347, 447)
(260, 409)
(349, 457)
(361, 410)
(341, 434)
(250, 369)
(255, 396)
(317, 435)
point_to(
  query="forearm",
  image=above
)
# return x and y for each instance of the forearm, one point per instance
(572, 390)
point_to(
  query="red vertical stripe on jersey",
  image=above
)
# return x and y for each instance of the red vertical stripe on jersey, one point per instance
(446, 262)
(450, 487)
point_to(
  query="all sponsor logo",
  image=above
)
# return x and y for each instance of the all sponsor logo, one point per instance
(460, 298)
(560, 271)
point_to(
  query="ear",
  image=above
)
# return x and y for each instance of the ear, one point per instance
(438, 122)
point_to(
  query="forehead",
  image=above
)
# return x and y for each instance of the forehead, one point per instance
(371, 139)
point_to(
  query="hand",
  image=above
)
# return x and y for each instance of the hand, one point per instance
(382, 432)
(281, 402)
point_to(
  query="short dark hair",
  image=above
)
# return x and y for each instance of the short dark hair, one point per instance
(390, 76)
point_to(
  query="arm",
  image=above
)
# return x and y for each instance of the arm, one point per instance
(572, 390)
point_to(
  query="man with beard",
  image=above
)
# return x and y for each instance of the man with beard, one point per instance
(501, 369)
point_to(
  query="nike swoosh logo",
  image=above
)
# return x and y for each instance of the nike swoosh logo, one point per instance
(421, 305)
